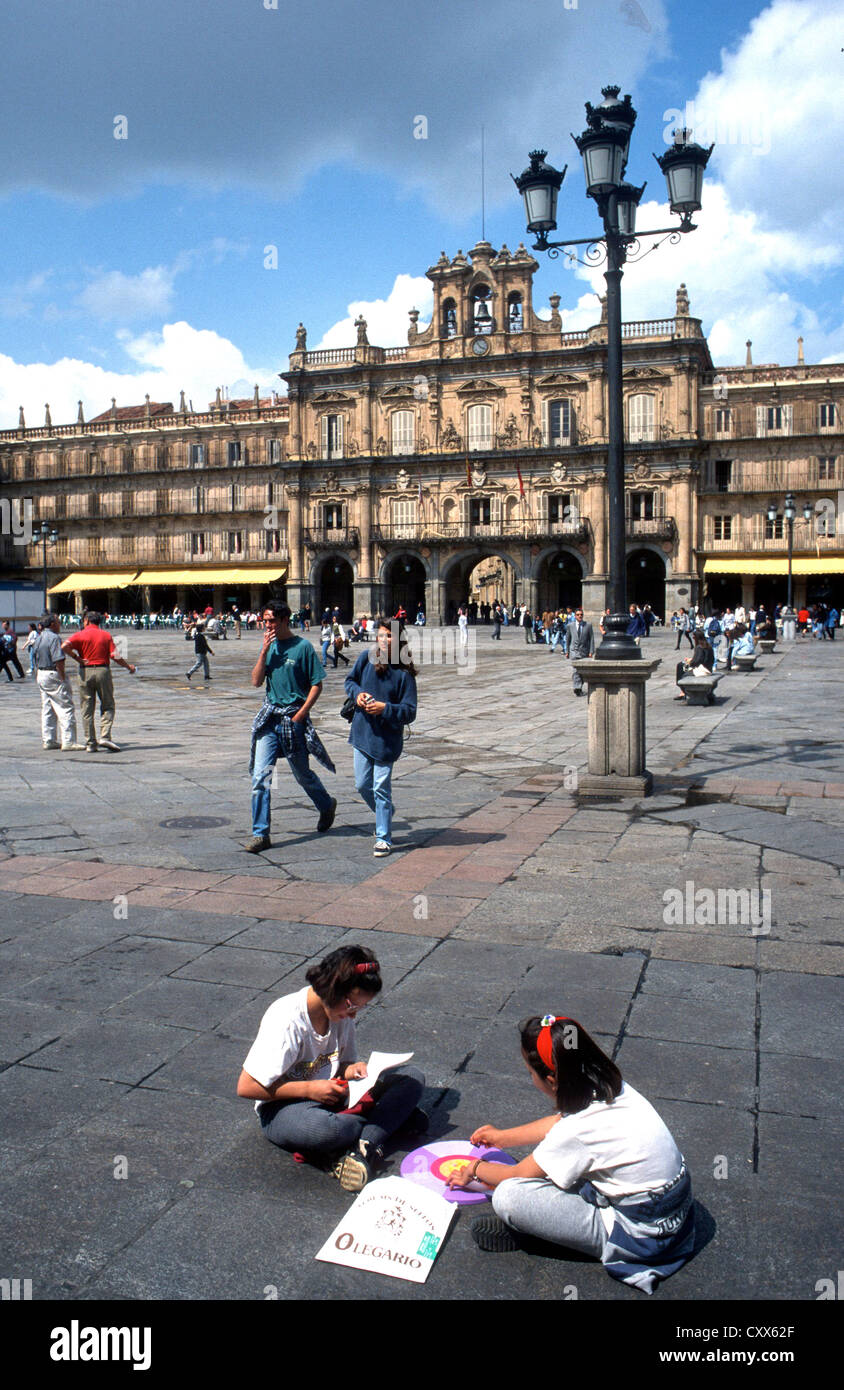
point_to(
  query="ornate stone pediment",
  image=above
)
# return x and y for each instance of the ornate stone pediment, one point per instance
(482, 387)
(645, 374)
(560, 379)
(332, 397)
(403, 392)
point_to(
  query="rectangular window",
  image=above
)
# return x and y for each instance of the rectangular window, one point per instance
(273, 451)
(61, 505)
(238, 500)
(127, 547)
(479, 421)
(127, 503)
(197, 543)
(197, 455)
(826, 415)
(722, 527)
(332, 516)
(560, 509)
(273, 542)
(559, 422)
(128, 460)
(404, 517)
(479, 511)
(826, 469)
(773, 529)
(162, 547)
(641, 506)
(723, 420)
(331, 436)
(402, 432)
(723, 474)
(234, 452)
(162, 456)
(234, 542)
(640, 418)
(199, 499)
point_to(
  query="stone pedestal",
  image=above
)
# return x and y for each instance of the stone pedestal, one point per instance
(617, 747)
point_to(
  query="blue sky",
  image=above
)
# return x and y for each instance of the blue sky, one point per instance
(138, 264)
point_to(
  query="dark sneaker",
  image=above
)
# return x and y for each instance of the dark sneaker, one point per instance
(257, 843)
(491, 1233)
(326, 819)
(354, 1170)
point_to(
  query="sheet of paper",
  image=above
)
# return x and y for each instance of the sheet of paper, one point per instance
(378, 1062)
(392, 1228)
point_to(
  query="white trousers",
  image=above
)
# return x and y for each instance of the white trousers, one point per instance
(56, 708)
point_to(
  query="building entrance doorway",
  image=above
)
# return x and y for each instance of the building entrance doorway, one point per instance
(404, 586)
(646, 580)
(336, 588)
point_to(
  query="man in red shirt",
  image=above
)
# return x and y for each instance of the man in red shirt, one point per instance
(94, 650)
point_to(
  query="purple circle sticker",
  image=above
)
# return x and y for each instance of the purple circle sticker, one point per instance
(432, 1165)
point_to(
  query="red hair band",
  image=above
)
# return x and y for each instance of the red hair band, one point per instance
(544, 1045)
(365, 966)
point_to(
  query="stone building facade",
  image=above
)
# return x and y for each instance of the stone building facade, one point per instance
(470, 461)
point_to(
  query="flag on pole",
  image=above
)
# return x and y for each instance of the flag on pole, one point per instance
(521, 483)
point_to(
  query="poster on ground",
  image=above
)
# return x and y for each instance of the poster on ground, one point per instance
(393, 1227)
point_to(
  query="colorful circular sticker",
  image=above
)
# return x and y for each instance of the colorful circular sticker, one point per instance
(433, 1164)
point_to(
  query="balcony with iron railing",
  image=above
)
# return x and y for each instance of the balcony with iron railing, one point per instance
(432, 532)
(773, 475)
(657, 528)
(742, 419)
(331, 537)
(747, 535)
(125, 552)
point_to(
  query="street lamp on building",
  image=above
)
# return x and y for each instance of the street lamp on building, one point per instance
(604, 148)
(789, 513)
(47, 535)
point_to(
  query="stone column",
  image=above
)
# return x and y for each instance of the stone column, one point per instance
(218, 594)
(616, 738)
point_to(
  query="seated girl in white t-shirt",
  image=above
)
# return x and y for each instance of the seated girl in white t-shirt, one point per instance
(302, 1060)
(605, 1176)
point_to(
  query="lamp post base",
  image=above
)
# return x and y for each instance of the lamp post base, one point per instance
(616, 738)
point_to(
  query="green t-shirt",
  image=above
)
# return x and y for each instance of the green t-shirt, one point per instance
(292, 668)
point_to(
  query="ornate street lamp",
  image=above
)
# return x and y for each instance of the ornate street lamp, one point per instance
(789, 514)
(47, 535)
(604, 147)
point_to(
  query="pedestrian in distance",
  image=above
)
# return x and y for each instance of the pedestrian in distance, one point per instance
(299, 1068)
(383, 687)
(605, 1176)
(497, 619)
(293, 675)
(30, 643)
(9, 639)
(581, 646)
(202, 651)
(684, 628)
(94, 651)
(338, 642)
(636, 626)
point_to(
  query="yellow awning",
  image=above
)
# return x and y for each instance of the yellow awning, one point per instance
(87, 579)
(824, 564)
(218, 574)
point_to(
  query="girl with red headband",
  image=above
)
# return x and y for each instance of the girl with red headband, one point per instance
(605, 1176)
(302, 1060)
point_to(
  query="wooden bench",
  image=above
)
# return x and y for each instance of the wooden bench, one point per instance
(700, 690)
(745, 663)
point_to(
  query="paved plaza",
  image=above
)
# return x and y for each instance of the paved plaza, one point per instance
(141, 946)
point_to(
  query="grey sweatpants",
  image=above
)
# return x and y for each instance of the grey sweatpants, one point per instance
(537, 1207)
(303, 1126)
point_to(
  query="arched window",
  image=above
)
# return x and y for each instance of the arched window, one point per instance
(449, 319)
(402, 431)
(640, 418)
(515, 313)
(482, 321)
(479, 426)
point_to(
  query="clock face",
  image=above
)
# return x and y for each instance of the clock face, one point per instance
(480, 346)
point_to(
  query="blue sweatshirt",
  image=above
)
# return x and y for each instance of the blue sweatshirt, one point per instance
(380, 736)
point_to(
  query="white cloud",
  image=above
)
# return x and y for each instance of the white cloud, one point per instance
(387, 319)
(113, 295)
(180, 357)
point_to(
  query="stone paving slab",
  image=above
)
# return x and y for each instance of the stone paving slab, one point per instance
(125, 1035)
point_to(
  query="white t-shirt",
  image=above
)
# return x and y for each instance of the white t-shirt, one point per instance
(288, 1047)
(620, 1148)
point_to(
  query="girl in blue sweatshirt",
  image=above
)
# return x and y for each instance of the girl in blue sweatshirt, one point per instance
(382, 684)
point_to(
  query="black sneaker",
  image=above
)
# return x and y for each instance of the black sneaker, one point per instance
(326, 819)
(355, 1168)
(491, 1233)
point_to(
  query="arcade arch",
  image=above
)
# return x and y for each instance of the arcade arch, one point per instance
(646, 571)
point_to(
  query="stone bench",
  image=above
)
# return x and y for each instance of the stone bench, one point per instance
(745, 663)
(700, 690)
(767, 645)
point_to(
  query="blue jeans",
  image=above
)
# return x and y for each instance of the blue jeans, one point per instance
(373, 782)
(267, 752)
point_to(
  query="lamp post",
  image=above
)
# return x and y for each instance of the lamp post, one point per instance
(617, 675)
(789, 513)
(604, 148)
(47, 535)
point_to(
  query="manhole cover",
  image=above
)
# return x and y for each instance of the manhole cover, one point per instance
(193, 823)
